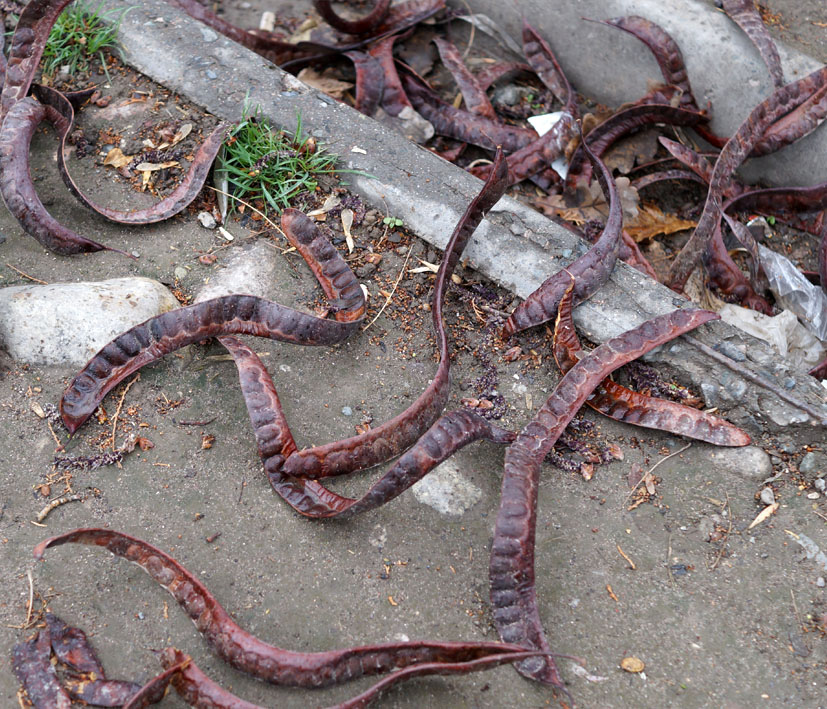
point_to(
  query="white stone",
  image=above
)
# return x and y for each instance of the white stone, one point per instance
(446, 490)
(67, 323)
(207, 220)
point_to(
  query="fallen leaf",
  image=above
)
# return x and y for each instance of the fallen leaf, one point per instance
(588, 203)
(632, 664)
(512, 354)
(144, 443)
(764, 514)
(651, 221)
(425, 267)
(356, 149)
(634, 150)
(347, 222)
(38, 409)
(115, 158)
(181, 133)
(325, 82)
(331, 201)
(206, 441)
(152, 166)
(649, 482)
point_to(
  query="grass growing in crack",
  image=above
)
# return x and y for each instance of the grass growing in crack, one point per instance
(272, 165)
(78, 35)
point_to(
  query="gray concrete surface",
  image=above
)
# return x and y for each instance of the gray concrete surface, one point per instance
(516, 247)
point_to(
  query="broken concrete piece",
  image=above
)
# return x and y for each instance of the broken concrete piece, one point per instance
(446, 490)
(67, 323)
(248, 270)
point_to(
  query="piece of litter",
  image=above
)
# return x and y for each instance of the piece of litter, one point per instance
(347, 222)
(632, 664)
(584, 673)
(356, 149)
(225, 233)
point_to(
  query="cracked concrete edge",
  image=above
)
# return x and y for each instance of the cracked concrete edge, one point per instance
(724, 67)
(516, 246)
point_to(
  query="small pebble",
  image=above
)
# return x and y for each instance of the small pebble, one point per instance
(180, 273)
(767, 496)
(395, 237)
(211, 74)
(820, 484)
(347, 411)
(207, 220)
(813, 495)
(140, 615)
(820, 582)
(136, 254)
(789, 383)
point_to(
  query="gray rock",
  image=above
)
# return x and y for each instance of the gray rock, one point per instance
(180, 273)
(347, 411)
(820, 484)
(67, 323)
(813, 462)
(248, 270)
(749, 462)
(207, 220)
(446, 490)
(767, 496)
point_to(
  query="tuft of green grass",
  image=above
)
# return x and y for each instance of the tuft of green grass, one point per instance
(78, 35)
(272, 165)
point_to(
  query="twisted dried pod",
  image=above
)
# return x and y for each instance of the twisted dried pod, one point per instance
(476, 100)
(512, 553)
(621, 404)
(590, 271)
(744, 14)
(248, 653)
(732, 155)
(370, 81)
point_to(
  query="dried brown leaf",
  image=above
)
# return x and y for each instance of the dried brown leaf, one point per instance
(325, 81)
(115, 158)
(651, 221)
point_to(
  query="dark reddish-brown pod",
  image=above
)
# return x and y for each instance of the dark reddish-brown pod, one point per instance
(622, 404)
(248, 653)
(544, 63)
(392, 437)
(744, 14)
(590, 271)
(732, 155)
(163, 334)
(198, 690)
(183, 194)
(17, 188)
(624, 123)
(665, 50)
(819, 371)
(364, 24)
(31, 662)
(370, 81)
(474, 96)
(677, 174)
(493, 73)
(394, 98)
(513, 597)
(462, 125)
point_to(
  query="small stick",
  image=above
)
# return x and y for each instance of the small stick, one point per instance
(671, 455)
(120, 406)
(60, 447)
(195, 423)
(742, 371)
(30, 604)
(795, 609)
(668, 559)
(26, 275)
(57, 503)
(390, 297)
(824, 517)
(625, 556)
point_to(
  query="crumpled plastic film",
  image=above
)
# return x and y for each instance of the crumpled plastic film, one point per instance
(794, 292)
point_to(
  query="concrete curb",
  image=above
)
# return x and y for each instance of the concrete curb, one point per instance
(516, 247)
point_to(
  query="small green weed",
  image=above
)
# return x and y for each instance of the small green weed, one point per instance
(393, 222)
(261, 163)
(78, 35)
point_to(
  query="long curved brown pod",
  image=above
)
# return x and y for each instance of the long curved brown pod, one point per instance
(198, 690)
(26, 49)
(17, 188)
(622, 404)
(476, 100)
(512, 553)
(158, 336)
(665, 50)
(624, 123)
(590, 271)
(462, 125)
(544, 63)
(31, 662)
(732, 155)
(744, 14)
(370, 81)
(398, 434)
(361, 26)
(183, 194)
(248, 653)
(394, 98)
